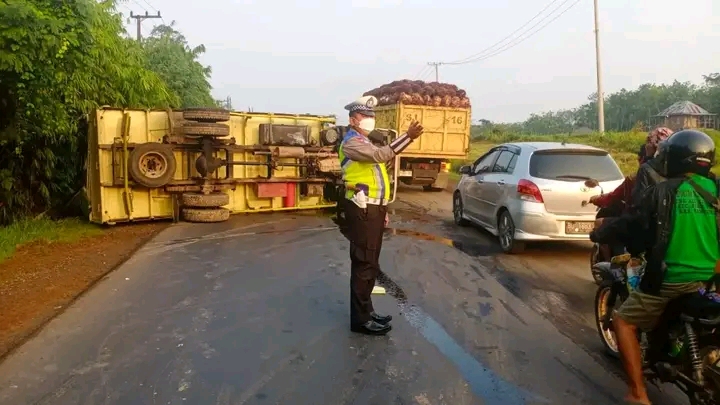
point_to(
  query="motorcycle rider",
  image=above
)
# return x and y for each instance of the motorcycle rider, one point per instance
(621, 200)
(679, 232)
(649, 173)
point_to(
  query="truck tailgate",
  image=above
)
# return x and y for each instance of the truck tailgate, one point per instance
(447, 130)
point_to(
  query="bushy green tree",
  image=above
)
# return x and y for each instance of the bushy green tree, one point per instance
(625, 110)
(58, 62)
(170, 56)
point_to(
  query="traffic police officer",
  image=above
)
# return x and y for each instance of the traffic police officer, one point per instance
(368, 191)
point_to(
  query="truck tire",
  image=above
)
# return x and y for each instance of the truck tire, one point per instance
(152, 165)
(206, 129)
(206, 114)
(200, 200)
(205, 215)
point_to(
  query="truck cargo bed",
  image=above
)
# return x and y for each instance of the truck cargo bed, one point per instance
(447, 130)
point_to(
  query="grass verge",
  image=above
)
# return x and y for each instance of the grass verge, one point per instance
(43, 229)
(623, 146)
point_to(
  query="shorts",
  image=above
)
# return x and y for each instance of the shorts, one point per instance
(644, 310)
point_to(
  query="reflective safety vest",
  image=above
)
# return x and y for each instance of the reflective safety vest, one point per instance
(364, 175)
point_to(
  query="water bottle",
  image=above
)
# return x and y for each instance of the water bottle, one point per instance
(633, 276)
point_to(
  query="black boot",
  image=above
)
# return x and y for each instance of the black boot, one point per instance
(371, 328)
(381, 319)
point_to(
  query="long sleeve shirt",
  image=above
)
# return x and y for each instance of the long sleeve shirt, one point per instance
(360, 149)
(621, 195)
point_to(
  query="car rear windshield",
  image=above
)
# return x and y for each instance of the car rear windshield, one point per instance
(567, 165)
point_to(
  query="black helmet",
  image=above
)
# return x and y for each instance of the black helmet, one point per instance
(686, 151)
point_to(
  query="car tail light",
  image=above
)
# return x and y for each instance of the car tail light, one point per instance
(529, 191)
(445, 167)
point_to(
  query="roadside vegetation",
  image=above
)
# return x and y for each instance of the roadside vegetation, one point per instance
(629, 114)
(58, 64)
(623, 146)
(43, 230)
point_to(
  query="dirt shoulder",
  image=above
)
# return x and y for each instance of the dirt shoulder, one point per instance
(41, 278)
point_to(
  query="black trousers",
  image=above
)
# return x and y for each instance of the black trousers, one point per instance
(365, 227)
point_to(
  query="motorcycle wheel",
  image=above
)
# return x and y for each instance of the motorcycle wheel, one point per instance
(601, 307)
(594, 259)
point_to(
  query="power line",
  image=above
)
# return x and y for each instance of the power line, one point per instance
(152, 8)
(139, 18)
(422, 72)
(425, 73)
(509, 35)
(518, 40)
(140, 5)
(149, 5)
(436, 65)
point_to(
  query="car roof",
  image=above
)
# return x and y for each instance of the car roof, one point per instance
(553, 145)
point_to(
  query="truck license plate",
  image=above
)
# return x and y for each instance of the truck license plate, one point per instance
(405, 173)
(572, 227)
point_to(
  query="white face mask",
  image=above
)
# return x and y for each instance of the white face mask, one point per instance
(367, 124)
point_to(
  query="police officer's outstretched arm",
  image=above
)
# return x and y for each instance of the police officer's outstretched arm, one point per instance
(362, 150)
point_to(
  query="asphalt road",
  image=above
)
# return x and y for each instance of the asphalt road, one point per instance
(255, 311)
(552, 278)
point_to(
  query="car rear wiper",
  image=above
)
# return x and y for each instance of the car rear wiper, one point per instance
(570, 176)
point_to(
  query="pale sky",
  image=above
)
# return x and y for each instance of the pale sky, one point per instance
(315, 56)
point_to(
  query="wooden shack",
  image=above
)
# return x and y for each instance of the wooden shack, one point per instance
(684, 115)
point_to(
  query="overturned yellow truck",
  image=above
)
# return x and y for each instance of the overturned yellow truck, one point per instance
(202, 164)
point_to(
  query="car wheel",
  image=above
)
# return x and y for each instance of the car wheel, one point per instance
(506, 234)
(458, 210)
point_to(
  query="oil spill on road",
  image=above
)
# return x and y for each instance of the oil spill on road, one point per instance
(542, 300)
(484, 383)
(467, 248)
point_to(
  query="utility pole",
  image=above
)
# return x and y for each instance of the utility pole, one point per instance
(598, 68)
(437, 74)
(139, 18)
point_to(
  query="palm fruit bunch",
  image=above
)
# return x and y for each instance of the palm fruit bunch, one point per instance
(418, 92)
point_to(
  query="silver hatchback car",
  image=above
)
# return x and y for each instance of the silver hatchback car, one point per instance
(533, 191)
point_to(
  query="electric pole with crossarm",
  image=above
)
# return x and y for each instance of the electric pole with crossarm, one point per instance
(437, 74)
(139, 18)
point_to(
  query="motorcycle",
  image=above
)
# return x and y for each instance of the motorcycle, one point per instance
(600, 252)
(683, 349)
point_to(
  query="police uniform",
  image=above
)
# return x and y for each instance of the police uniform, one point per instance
(368, 192)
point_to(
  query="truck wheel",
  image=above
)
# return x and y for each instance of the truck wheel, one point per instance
(152, 165)
(200, 200)
(206, 129)
(206, 114)
(432, 189)
(205, 215)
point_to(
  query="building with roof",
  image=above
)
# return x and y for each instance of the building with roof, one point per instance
(686, 114)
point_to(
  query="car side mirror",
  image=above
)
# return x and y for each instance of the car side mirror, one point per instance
(465, 169)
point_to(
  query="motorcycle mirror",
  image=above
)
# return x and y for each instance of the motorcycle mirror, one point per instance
(591, 183)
